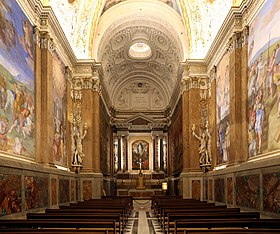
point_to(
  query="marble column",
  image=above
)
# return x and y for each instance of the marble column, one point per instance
(38, 94)
(190, 117)
(234, 48)
(212, 116)
(165, 150)
(244, 94)
(44, 100)
(115, 153)
(194, 87)
(86, 82)
(69, 117)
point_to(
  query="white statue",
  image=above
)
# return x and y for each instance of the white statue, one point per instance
(204, 146)
(77, 147)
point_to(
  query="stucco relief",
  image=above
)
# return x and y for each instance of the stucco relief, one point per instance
(140, 95)
(161, 64)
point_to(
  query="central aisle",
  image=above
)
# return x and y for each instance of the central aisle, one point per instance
(142, 220)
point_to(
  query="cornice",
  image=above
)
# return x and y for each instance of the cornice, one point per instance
(233, 23)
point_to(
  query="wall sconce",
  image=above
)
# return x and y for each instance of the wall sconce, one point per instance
(164, 186)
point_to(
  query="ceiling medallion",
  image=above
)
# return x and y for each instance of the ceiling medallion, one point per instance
(140, 50)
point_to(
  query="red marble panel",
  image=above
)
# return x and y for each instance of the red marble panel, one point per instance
(229, 190)
(210, 190)
(196, 189)
(54, 191)
(72, 190)
(87, 189)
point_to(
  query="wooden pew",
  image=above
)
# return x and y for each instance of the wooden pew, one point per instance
(233, 231)
(172, 217)
(54, 231)
(123, 220)
(185, 224)
(96, 216)
(63, 224)
(189, 209)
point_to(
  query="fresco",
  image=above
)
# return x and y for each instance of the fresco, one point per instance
(219, 189)
(16, 81)
(10, 194)
(87, 189)
(271, 192)
(59, 110)
(176, 141)
(264, 80)
(36, 192)
(64, 191)
(229, 190)
(140, 150)
(53, 191)
(111, 3)
(196, 189)
(248, 191)
(223, 107)
(105, 142)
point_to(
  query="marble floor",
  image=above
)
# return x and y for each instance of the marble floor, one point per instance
(142, 220)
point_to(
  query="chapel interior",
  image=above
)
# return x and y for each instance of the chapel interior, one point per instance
(139, 98)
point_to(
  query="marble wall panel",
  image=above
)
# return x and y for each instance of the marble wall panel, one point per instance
(36, 192)
(10, 194)
(271, 192)
(248, 191)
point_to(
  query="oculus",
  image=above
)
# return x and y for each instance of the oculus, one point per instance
(140, 50)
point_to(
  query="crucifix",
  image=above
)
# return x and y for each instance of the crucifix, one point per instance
(140, 164)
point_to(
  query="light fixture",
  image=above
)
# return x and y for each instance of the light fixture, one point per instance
(164, 186)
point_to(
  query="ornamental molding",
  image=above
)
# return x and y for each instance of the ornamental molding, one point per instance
(235, 42)
(46, 42)
(194, 82)
(162, 64)
(245, 36)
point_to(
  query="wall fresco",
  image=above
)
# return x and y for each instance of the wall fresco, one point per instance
(16, 81)
(105, 141)
(271, 192)
(87, 189)
(54, 191)
(219, 189)
(264, 80)
(223, 107)
(64, 191)
(229, 191)
(36, 192)
(59, 110)
(176, 141)
(248, 191)
(196, 189)
(10, 194)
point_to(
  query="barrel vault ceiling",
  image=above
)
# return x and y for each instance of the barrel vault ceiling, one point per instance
(140, 43)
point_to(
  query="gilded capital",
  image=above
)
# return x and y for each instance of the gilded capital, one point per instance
(245, 36)
(185, 85)
(46, 42)
(235, 42)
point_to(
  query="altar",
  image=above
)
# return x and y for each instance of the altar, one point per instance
(127, 185)
(139, 194)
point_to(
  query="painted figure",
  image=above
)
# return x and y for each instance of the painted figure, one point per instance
(259, 120)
